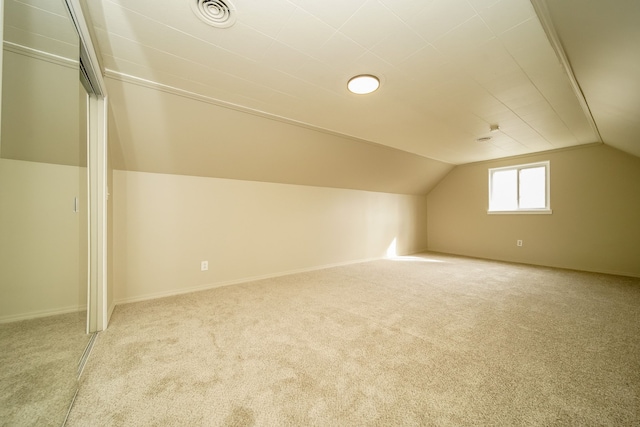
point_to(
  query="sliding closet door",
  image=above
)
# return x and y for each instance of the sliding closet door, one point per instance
(43, 214)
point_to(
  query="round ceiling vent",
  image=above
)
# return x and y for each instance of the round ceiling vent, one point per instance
(217, 13)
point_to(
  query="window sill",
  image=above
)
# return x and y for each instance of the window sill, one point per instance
(522, 211)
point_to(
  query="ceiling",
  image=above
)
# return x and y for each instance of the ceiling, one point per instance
(449, 68)
(602, 46)
(42, 25)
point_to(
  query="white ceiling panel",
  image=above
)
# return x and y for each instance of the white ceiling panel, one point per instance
(441, 17)
(465, 39)
(55, 7)
(62, 48)
(601, 46)
(240, 39)
(319, 73)
(424, 59)
(334, 14)
(371, 24)
(398, 44)
(266, 17)
(304, 31)
(505, 14)
(449, 68)
(526, 40)
(156, 10)
(483, 4)
(337, 50)
(407, 10)
(284, 58)
(43, 25)
(488, 63)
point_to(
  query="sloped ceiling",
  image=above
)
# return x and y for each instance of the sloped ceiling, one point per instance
(41, 120)
(43, 25)
(601, 40)
(168, 133)
(449, 70)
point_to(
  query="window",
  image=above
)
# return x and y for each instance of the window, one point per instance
(519, 189)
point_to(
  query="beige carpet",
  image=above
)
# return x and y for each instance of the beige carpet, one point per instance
(38, 368)
(431, 340)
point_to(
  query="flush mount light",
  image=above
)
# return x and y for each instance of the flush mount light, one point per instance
(484, 139)
(363, 84)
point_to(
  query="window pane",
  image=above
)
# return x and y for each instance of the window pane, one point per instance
(533, 188)
(504, 190)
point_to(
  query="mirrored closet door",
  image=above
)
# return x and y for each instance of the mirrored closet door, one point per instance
(44, 214)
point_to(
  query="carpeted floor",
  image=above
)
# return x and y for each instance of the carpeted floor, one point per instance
(38, 368)
(426, 340)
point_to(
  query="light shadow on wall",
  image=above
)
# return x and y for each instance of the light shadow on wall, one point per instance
(392, 250)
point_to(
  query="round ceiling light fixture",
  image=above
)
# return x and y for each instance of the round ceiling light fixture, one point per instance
(217, 13)
(363, 84)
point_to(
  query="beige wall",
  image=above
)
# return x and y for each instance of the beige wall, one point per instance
(43, 243)
(40, 110)
(595, 225)
(165, 225)
(1, 60)
(159, 131)
(42, 237)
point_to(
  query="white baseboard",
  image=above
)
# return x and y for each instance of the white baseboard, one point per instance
(110, 313)
(41, 313)
(525, 262)
(164, 294)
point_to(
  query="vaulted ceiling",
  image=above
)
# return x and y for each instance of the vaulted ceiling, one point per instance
(601, 40)
(449, 68)
(550, 74)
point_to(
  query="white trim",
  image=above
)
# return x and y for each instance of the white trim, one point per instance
(38, 54)
(42, 313)
(557, 266)
(97, 162)
(522, 166)
(542, 10)
(110, 313)
(87, 48)
(206, 287)
(522, 211)
(90, 281)
(98, 211)
(103, 195)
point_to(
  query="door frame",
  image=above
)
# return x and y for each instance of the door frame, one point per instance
(97, 301)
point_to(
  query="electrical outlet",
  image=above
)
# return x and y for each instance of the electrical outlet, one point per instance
(204, 265)
(519, 242)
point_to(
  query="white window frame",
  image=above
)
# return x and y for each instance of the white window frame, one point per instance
(545, 210)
